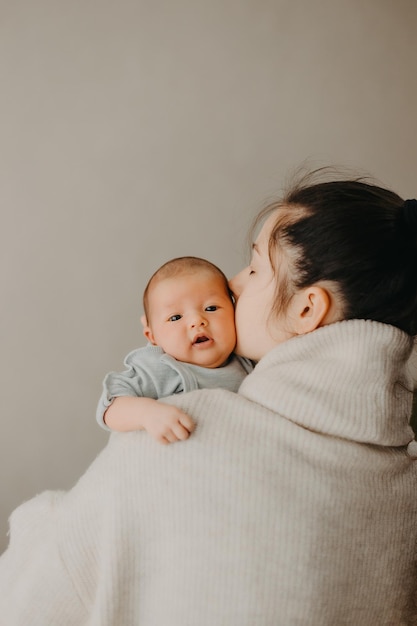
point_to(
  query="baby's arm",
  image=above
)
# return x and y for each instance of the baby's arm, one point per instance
(163, 422)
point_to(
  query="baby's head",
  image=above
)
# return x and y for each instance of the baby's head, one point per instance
(189, 312)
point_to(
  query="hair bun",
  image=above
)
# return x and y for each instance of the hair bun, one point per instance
(409, 213)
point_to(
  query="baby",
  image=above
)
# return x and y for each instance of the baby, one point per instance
(189, 324)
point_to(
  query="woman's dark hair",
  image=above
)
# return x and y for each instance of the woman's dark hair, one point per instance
(358, 235)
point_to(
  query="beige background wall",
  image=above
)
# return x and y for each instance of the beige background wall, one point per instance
(135, 131)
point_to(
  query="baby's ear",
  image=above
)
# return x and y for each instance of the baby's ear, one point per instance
(147, 330)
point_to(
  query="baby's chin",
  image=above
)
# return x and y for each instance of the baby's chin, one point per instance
(210, 361)
(212, 364)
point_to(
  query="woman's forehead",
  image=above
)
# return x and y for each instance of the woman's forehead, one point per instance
(266, 230)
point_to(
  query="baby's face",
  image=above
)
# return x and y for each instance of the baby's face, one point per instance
(192, 319)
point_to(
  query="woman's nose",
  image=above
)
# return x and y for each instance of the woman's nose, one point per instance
(236, 283)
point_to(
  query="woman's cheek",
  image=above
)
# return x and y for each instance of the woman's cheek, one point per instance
(244, 327)
(237, 321)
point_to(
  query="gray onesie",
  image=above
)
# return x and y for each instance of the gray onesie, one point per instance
(151, 373)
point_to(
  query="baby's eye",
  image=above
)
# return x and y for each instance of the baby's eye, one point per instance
(212, 307)
(174, 318)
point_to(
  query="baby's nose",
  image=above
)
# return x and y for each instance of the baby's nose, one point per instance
(198, 320)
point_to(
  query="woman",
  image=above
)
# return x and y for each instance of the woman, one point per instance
(294, 501)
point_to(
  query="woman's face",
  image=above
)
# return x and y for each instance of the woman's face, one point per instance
(258, 331)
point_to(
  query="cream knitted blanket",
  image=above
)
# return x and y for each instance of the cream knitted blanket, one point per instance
(294, 502)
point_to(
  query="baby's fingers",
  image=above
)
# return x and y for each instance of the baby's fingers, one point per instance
(173, 425)
(175, 433)
(180, 432)
(186, 421)
(168, 437)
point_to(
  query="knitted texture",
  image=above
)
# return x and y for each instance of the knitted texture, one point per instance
(294, 502)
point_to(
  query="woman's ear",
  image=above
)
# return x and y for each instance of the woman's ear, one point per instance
(310, 308)
(147, 330)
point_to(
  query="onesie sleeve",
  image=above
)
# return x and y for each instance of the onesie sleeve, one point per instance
(146, 376)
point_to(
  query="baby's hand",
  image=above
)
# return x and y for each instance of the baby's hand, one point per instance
(167, 424)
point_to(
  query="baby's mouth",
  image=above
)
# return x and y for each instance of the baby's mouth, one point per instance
(201, 339)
